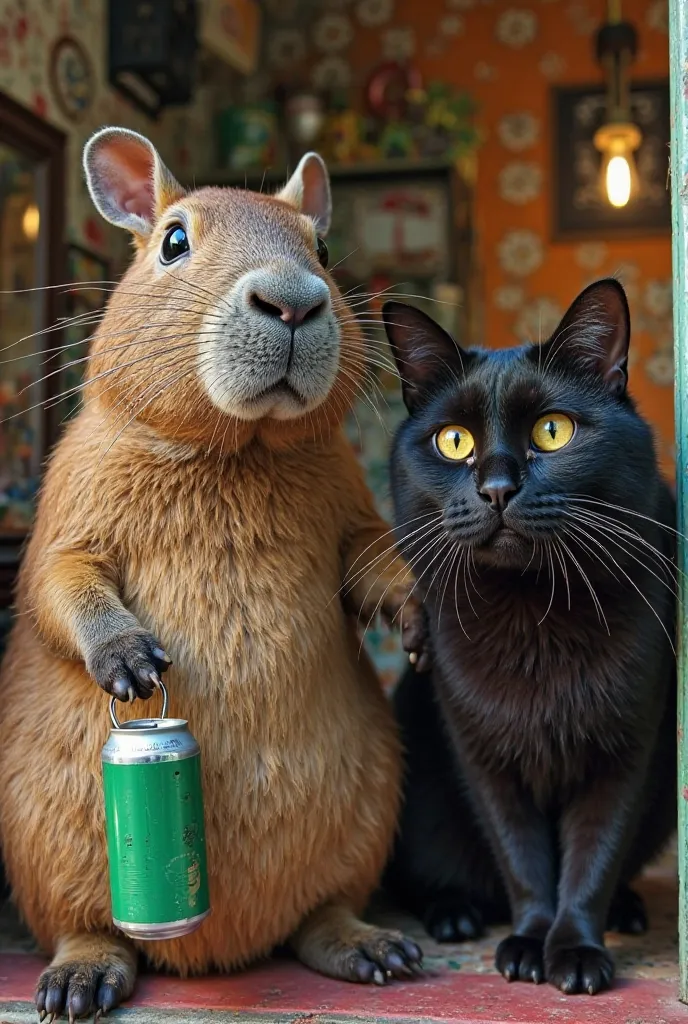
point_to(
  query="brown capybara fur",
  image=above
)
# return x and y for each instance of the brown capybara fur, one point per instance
(221, 529)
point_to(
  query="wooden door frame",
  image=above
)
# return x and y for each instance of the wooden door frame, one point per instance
(42, 142)
(678, 65)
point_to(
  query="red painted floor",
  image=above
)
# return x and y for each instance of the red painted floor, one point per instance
(460, 984)
(286, 991)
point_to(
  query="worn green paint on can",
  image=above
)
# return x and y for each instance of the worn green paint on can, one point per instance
(155, 829)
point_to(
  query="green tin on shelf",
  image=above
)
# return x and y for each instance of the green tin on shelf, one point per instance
(155, 827)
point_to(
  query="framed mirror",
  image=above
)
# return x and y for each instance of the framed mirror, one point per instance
(32, 201)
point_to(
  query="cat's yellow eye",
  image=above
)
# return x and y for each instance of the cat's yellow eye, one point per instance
(455, 443)
(552, 432)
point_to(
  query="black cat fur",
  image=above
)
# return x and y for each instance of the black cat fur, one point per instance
(541, 747)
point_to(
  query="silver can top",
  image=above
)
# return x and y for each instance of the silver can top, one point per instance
(149, 740)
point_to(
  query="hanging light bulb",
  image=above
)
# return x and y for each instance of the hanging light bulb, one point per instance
(618, 176)
(618, 138)
(31, 222)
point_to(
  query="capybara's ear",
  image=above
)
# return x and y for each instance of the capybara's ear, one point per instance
(129, 184)
(308, 190)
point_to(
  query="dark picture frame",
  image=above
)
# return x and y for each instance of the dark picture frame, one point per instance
(579, 210)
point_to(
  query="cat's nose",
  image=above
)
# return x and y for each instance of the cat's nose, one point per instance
(498, 491)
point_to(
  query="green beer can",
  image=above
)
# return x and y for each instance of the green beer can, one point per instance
(155, 828)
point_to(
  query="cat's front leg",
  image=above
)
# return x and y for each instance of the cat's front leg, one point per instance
(595, 831)
(377, 581)
(522, 840)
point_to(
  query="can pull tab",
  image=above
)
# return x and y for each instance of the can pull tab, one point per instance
(113, 702)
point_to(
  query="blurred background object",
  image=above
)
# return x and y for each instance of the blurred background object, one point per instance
(469, 143)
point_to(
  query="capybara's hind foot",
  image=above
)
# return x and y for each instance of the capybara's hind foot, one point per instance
(335, 942)
(89, 974)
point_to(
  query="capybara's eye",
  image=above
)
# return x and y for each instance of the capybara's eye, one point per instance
(323, 254)
(175, 244)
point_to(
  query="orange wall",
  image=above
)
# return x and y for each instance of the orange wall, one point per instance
(509, 55)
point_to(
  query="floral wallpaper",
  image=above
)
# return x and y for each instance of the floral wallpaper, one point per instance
(508, 53)
(29, 30)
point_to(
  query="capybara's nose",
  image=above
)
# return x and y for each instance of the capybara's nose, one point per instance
(294, 315)
(290, 294)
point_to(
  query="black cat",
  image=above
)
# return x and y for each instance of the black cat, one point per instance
(541, 747)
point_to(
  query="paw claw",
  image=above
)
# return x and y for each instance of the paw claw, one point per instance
(576, 969)
(131, 662)
(76, 988)
(394, 962)
(519, 958)
(412, 952)
(627, 913)
(452, 918)
(374, 955)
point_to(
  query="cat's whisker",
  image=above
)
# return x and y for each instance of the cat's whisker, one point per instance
(551, 569)
(350, 580)
(407, 570)
(530, 560)
(586, 499)
(562, 563)
(452, 567)
(596, 601)
(447, 543)
(609, 534)
(668, 565)
(449, 548)
(467, 568)
(476, 570)
(605, 550)
(456, 601)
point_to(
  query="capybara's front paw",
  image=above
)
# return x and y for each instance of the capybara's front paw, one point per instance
(78, 989)
(128, 665)
(577, 969)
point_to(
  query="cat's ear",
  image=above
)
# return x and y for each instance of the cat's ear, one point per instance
(595, 334)
(423, 350)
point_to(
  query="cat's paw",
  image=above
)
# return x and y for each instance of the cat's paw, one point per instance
(579, 969)
(452, 919)
(520, 958)
(414, 634)
(627, 913)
